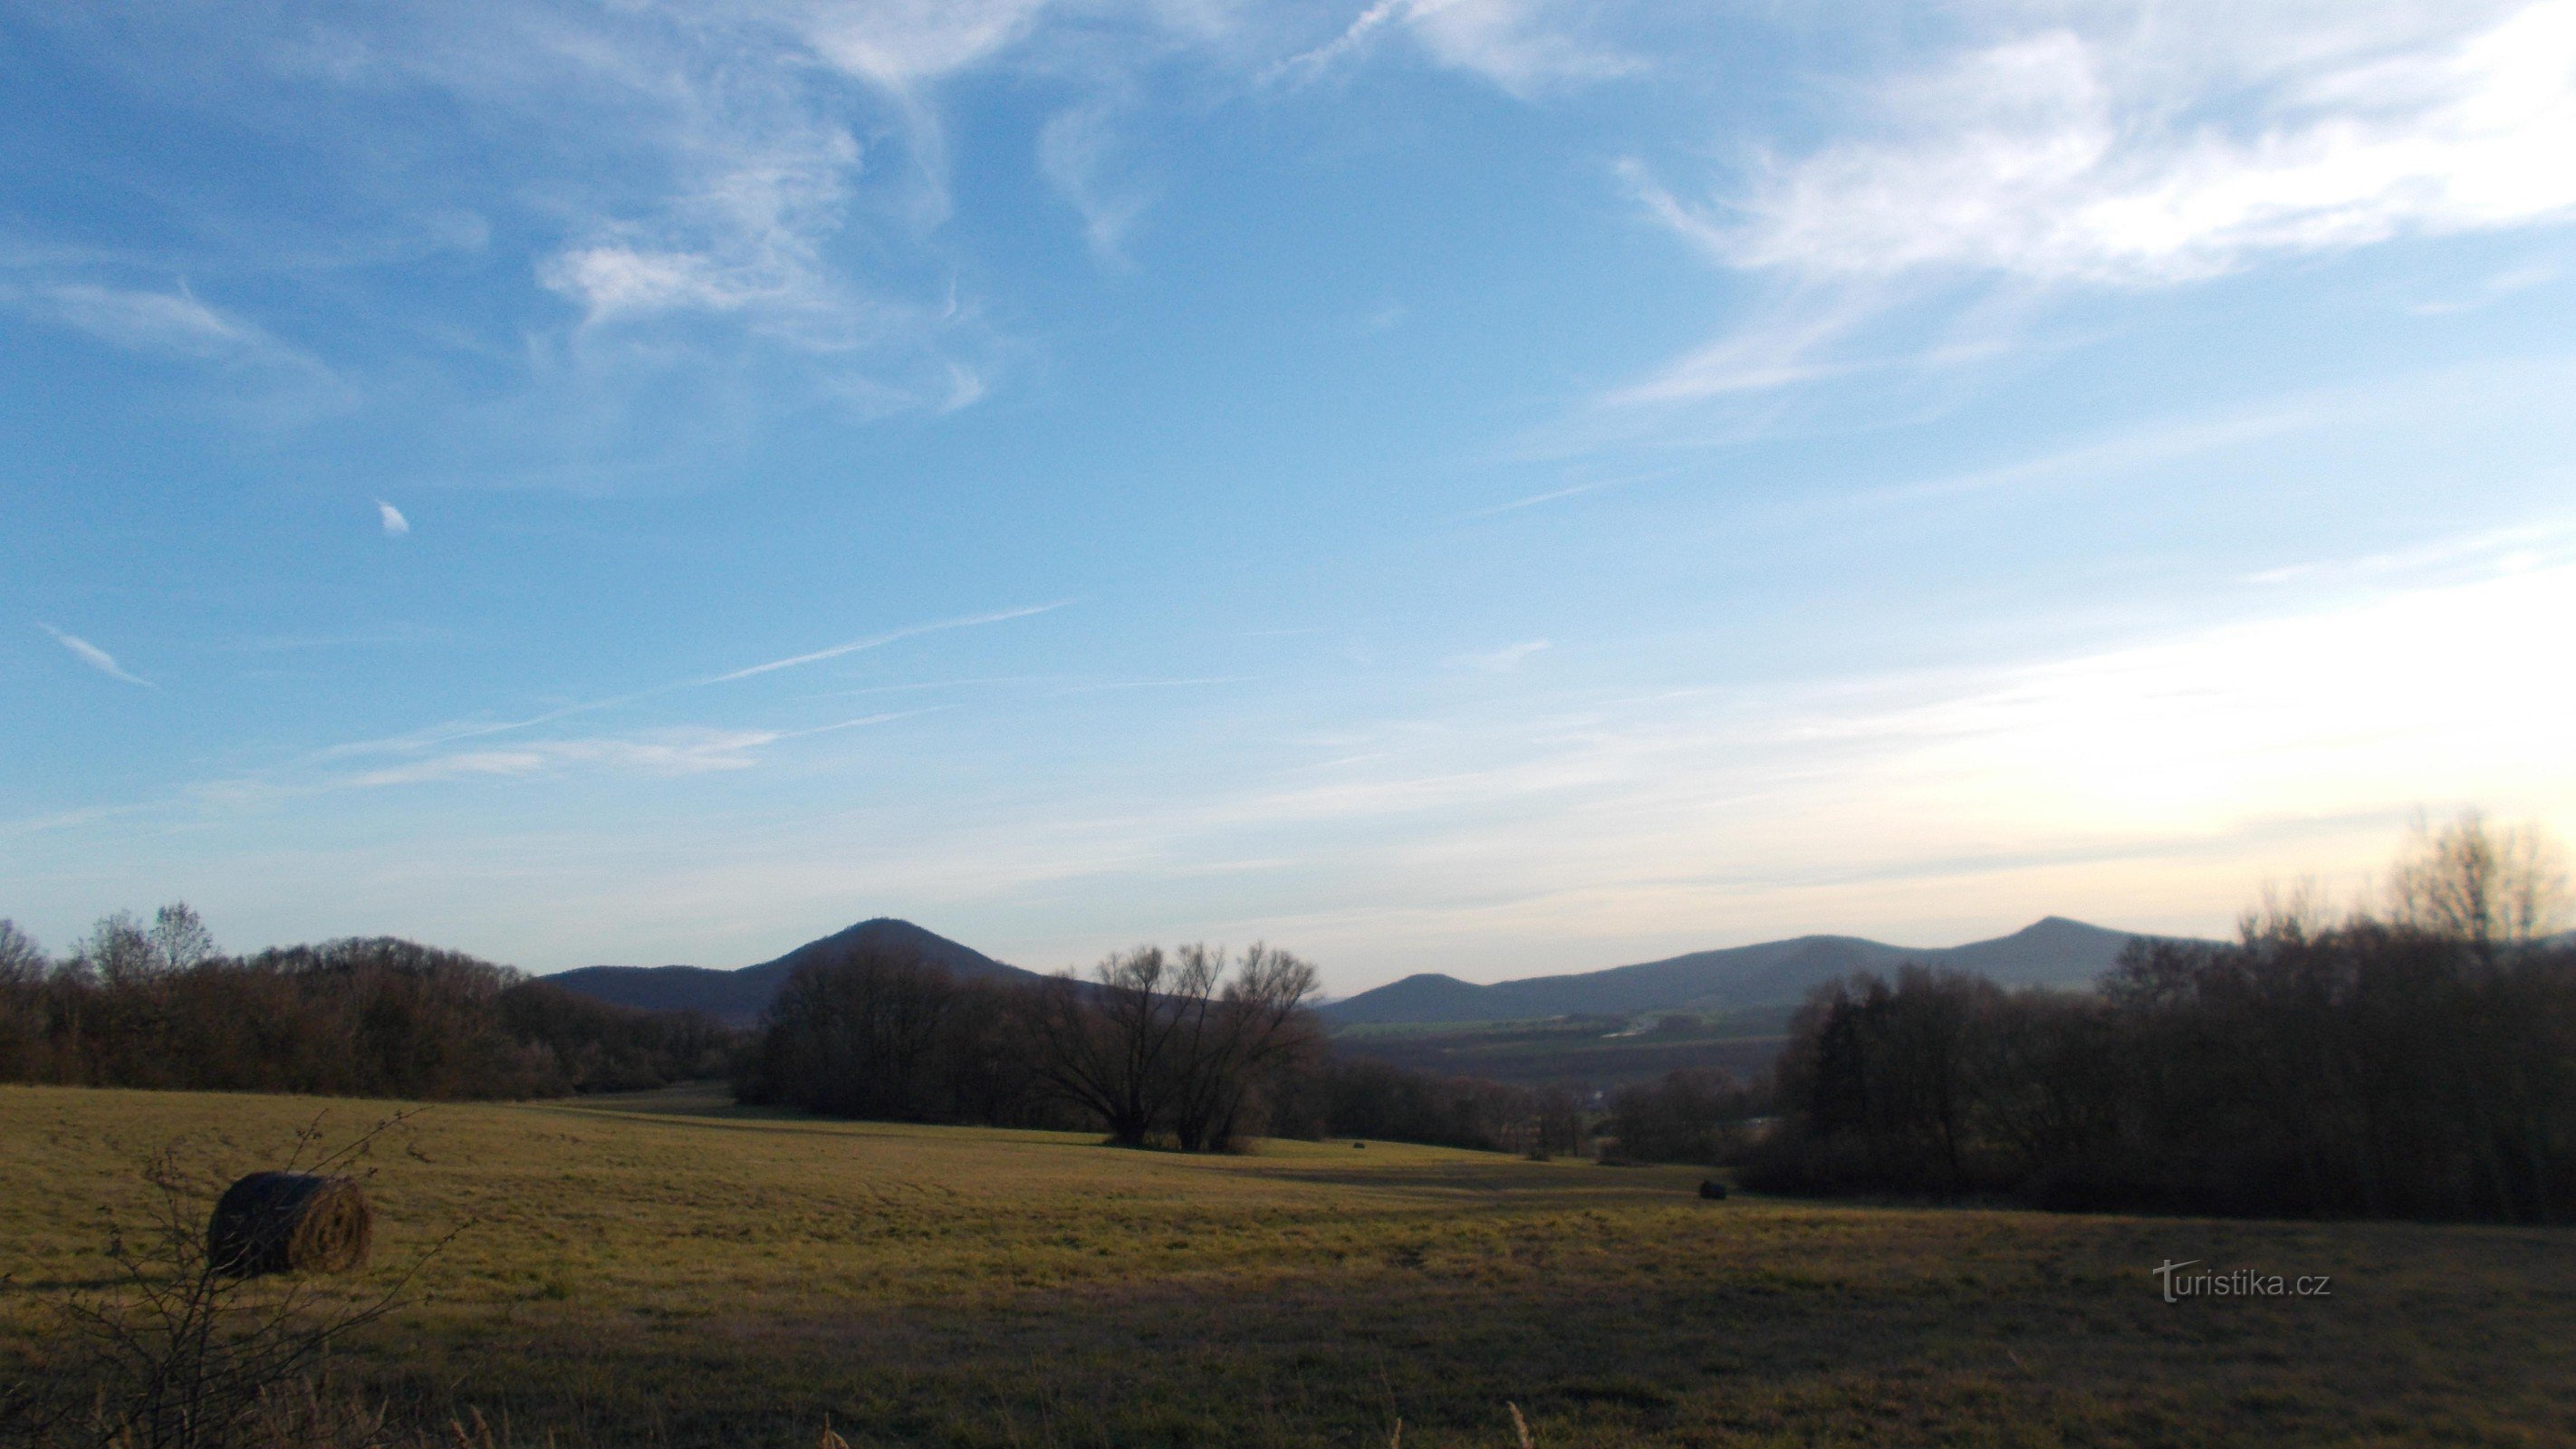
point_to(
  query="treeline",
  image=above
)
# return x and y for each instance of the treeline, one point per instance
(887, 1035)
(1182, 1048)
(1357, 1096)
(2418, 1066)
(1698, 1115)
(158, 1006)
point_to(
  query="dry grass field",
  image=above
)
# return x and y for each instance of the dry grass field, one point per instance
(666, 1269)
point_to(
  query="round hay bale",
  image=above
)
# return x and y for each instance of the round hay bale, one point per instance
(290, 1222)
(1712, 1189)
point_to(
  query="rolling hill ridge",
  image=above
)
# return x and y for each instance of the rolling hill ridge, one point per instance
(2050, 952)
(2054, 951)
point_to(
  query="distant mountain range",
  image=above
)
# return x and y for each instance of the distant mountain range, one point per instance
(737, 998)
(2050, 952)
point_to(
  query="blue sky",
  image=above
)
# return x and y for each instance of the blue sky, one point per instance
(1489, 486)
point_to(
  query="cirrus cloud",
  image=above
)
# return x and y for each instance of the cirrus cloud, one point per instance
(95, 657)
(2045, 157)
(2107, 150)
(1510, 43)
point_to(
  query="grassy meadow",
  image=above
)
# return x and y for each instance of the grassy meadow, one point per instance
(667, 1269)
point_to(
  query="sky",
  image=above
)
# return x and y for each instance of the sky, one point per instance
(1485, 486)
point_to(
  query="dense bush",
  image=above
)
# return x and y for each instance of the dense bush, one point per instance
(156, 1007)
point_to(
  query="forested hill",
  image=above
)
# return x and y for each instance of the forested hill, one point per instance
(2051, 952)
(737, 998)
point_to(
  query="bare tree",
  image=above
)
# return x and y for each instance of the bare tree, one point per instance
(1171, 1042)
(1103, 1043)
(2299, 910)
(1232, 1037)
(22, 961)
(2491, 886)
(23, 969)
(117, 952)
(179, 938)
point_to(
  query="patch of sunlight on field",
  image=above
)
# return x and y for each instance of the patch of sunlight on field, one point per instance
(668, 1268)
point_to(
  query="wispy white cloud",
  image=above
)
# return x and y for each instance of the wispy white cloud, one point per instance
(2155, 443)
(1533, 500)
(1510, 43)
(779, 185)
(2422, 400)
(1353, 40)
(673, 752)
(1074, 149)
(743, 199)
(904, 43)
(395, 525)
(966, 387)
(2510, 282)
(173, 323)
(1506, 660)
(668, 752)
(691, 750)
(758, 187)
(862, 722)
(2040, 158)
(2546, 544)
(1120, 686)
(61, 820)
(434, 736)
(614, 281)
(393, 635)
(2107, 150)
(879, 641)
(1788, 343)
(93, 656)
(737, 182)
(917, 686)
(1555, 495)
